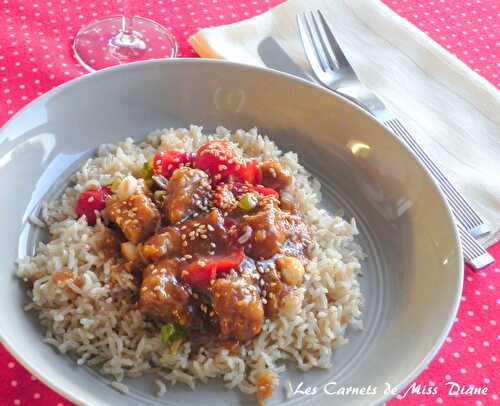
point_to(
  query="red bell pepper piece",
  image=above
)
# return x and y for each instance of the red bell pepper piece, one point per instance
(219, 159)
(250, 172)
(264, 191)
(202, 271)
(166, 162)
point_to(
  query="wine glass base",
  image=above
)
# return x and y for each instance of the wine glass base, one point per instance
(102, 43)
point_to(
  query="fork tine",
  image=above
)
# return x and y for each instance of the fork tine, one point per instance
(332, 41)
(318, 47)
(323, 40)
(309, 48)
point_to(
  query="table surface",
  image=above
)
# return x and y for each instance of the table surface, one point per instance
(35, 56)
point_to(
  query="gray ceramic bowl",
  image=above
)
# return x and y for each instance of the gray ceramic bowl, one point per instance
(413, 275)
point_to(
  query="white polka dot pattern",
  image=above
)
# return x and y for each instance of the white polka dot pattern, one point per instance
(35, 56)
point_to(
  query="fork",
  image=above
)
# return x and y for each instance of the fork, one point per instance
(333, 70)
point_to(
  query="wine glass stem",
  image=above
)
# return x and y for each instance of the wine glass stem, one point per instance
(126, 25)
(126, 38)
(126, 17)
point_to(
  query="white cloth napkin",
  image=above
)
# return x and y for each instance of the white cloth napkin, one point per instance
(452, 111)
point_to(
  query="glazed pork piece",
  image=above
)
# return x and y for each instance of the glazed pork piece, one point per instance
(166, 243)
(137, 216)
(274, 231)
(162, 296)
(275, 176)
(188, 192)
(203, 235)
(238, 307)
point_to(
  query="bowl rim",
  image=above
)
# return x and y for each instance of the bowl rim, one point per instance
(417, 370)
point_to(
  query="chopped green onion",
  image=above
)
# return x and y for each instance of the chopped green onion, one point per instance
(160, 196)
(166, 331)
(115, 184)
(146, 172)
(172, 332)
(248, 201)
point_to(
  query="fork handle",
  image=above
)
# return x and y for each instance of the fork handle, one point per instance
(461, 209)
(474, 254)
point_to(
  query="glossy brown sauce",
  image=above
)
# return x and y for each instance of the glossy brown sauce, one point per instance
(200, 227)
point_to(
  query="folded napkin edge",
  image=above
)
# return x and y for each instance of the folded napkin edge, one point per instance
(202, 47)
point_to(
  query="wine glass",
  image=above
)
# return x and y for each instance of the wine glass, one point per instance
(119, 39)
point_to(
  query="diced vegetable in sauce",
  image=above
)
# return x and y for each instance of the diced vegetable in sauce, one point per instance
(219, 159)
(204, 270)
(247, 202)
(250, 172)
(264, 191)
(172, 332)
(166, 162)
(159, 197)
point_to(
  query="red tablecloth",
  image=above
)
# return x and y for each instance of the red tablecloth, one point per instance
(35, 56)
